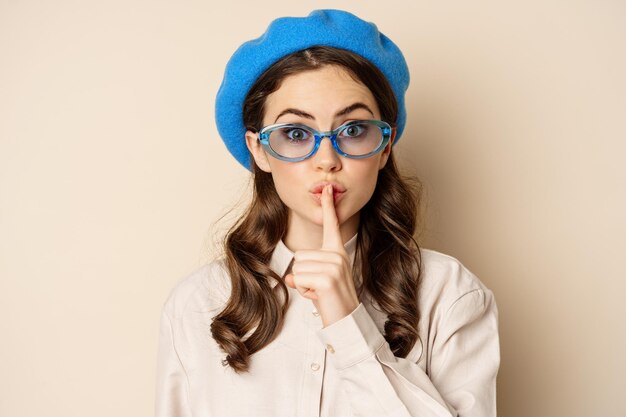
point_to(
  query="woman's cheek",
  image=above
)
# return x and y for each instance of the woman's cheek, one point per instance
(366, 192)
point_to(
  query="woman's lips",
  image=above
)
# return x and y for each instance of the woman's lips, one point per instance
(317, 197)
(319, 187)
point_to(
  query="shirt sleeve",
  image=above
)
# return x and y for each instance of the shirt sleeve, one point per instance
(171, 387)
(464, 363)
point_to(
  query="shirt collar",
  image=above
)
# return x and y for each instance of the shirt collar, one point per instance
(282, 256)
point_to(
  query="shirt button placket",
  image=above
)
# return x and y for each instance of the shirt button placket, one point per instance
(316, 363)
(316, 373)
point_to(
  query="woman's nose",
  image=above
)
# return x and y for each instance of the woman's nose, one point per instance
(326, 158)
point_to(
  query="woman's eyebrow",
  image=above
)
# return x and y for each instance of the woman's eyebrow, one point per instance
(297, 112)
(341, 112)
(354, 107)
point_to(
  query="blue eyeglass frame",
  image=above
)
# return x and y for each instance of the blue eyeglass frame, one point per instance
(264, 138)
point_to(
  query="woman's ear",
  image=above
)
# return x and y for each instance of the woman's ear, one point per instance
(384, 155)
(255, 148)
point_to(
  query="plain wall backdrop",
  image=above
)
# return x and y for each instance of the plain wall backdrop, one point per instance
(112, 176)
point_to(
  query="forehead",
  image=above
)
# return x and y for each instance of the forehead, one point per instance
(320, 92)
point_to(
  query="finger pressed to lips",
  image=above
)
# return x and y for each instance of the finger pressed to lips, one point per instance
(337, 197)
(312, 268)
(331, 235)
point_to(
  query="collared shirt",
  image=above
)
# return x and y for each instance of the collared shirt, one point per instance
(344, 369)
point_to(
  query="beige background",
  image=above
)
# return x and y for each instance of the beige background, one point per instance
(112, 175)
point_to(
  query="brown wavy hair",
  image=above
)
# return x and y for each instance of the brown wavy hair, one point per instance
(387, 264)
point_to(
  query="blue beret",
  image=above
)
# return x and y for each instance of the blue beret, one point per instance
(285, 35)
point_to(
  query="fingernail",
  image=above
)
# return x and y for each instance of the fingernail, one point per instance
(329, 189)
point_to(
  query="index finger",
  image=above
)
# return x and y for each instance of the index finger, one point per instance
(331, 236)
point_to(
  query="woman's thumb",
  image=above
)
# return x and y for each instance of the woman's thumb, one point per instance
(289, 280)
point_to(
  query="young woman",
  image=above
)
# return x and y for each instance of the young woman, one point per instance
(324, 305)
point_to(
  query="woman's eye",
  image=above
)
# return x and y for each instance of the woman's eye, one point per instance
(353, 131)
(297, 134)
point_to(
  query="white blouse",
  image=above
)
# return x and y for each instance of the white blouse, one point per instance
(345, 369)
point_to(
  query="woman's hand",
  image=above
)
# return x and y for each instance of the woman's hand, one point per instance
(324, 275)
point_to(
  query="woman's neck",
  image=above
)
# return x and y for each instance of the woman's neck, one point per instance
(303, 235)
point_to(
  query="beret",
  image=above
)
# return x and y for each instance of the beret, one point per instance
(285, 35)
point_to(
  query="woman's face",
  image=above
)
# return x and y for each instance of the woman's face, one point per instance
(318, 99)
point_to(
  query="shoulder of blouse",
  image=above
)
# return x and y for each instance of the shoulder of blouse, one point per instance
(207, 288)
(445, 280)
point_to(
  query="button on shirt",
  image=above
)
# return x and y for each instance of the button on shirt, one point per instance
(344, 369)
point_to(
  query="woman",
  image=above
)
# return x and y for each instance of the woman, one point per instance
(324, 304)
